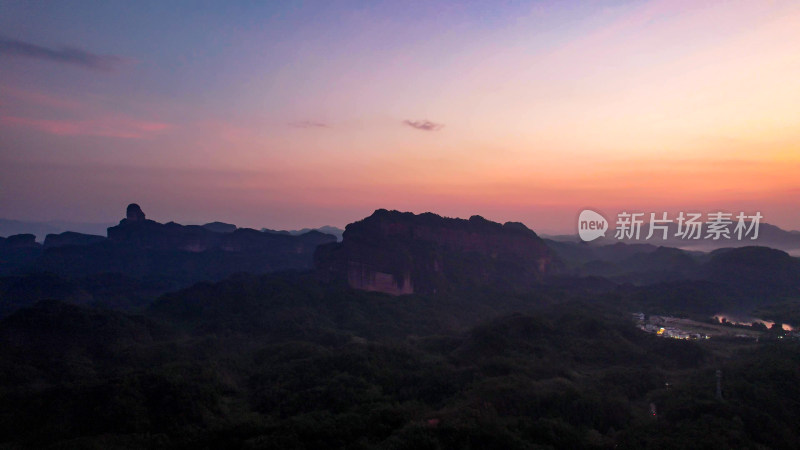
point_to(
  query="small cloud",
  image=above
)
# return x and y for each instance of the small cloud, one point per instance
(424, 125)
(308, 124)
(66, 55)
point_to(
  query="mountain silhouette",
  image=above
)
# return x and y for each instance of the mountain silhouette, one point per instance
(402, 253)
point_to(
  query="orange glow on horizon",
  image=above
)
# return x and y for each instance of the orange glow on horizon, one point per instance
(657, 105)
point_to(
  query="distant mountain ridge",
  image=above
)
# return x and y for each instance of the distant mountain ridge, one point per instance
(143, 248)
(768, 236)
(390, 252)
(327, 229)
(10, 227)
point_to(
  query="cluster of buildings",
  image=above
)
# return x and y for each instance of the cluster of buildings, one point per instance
(658, 326)
(677, 328)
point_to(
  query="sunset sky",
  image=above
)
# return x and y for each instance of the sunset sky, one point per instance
(295, 114)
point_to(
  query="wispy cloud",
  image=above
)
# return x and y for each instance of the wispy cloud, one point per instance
(424, 125)
(308, 124)
(118, 127)
(65, 55)
(21, 97)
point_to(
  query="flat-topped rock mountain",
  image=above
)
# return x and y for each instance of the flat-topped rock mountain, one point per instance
(220, 227)
(71, 238)
(403, 253)
(18, 251)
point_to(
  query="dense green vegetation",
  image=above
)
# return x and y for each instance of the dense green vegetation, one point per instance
(492, 355)
(284, 361)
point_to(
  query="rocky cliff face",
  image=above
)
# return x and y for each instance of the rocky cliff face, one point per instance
(134, 213)
(403, 253)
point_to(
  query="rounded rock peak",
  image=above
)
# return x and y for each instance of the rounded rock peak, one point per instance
(134, 213)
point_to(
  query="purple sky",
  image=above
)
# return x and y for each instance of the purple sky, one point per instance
(294, 114)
